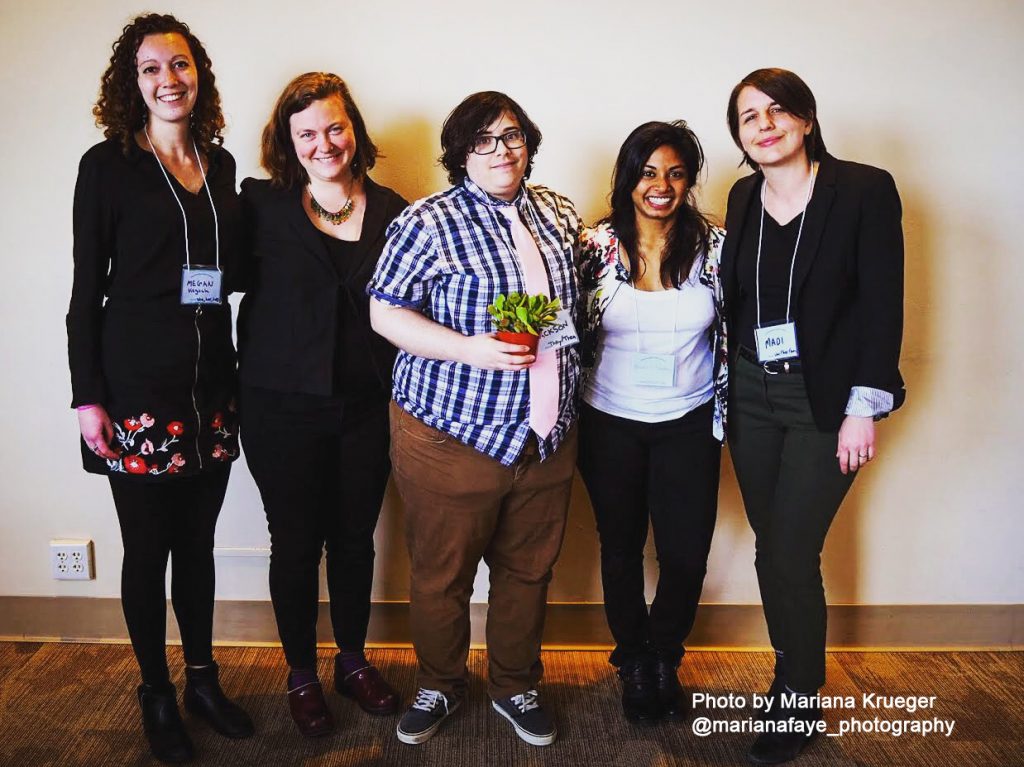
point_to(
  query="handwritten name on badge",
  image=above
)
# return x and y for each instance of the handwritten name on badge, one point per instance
(776, 342)
(200, 286)
(559, 335)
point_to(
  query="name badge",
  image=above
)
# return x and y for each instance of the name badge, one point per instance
(654, 369)
(560, 335)
(200, 285)
(776, 342)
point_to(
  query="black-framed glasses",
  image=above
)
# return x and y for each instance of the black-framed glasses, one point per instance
(484, 144)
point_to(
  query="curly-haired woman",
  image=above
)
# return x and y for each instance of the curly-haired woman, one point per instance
(156, 231)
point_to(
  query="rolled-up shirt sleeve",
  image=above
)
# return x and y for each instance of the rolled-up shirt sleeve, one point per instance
(866, 402)
(409, 263)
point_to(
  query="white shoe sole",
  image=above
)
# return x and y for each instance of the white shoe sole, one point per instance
(415, 738)
(530, 737)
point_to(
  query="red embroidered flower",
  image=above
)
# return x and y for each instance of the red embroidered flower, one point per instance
(217, 421)
(175, 428)
(132, 424)
(134, 464)
(147, 420)
(219, 451)
(172, 469)
(178, 459)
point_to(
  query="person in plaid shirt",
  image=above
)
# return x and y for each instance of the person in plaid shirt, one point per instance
(476, 479)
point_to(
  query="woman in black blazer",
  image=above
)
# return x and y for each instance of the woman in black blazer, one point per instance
(812, 271)
(316, 381)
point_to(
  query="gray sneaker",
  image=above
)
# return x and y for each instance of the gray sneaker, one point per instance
(530, 720)
(425, 716)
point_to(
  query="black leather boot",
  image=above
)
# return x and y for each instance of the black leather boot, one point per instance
(640, 703)
(671, 696)
(779, 747)
(778, 686)
(162, 723)
(206, 700)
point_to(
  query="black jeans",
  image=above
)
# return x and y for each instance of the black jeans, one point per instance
(666, 473)
(321, 465)
(175, 518)
(792, 487)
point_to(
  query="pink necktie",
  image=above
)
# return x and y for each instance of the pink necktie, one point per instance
(543, 372)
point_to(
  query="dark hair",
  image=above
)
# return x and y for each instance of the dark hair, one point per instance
(277, 152)
(120, 110)
(471, 118)
(691, 231)
(791, 93)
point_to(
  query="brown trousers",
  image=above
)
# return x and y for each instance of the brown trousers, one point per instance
(461, 506)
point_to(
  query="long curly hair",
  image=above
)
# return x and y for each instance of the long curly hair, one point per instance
(120, 110)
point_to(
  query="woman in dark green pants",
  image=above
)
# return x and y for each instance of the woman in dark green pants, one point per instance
(812, 271)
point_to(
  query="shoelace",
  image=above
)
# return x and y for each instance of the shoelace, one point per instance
(525, 702)
(426, 700)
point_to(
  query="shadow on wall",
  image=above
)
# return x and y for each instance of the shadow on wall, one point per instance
(409, 164)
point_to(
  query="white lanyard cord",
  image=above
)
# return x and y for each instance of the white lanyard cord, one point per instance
(184, 218)
(796, 246)
(675, 317)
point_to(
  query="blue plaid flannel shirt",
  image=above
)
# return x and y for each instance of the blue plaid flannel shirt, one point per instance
(450, 255)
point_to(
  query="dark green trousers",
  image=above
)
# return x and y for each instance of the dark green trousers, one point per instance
(791, 486)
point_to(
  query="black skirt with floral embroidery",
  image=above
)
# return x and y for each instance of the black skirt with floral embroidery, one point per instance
(171, 385)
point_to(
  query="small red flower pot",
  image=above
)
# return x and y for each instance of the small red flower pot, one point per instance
(525, 339)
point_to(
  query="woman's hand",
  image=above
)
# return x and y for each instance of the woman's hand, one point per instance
(97, 430)
(856, 443)
(486, 351)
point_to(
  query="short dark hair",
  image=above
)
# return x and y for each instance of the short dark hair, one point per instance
(791, 93)
(277, 152)
(120, 110)
(470, 118)
(691, 230)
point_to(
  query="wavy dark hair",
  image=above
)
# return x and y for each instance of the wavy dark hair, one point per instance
(471, 118)
(120, 110)
(691, 230)
(791, 93)
(277, 151)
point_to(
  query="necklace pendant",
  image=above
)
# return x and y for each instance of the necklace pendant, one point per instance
(335, 218)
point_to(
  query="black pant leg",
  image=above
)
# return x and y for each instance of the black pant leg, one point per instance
(294, 469)
(683, 499)
(350, 519)
(196, 505)
(613, 462)
(146, 539)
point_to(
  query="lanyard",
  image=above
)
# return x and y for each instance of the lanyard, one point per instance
(792, 263)
(675, 317)
(184, 218)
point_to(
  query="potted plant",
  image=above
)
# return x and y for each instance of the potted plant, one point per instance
(519, 317)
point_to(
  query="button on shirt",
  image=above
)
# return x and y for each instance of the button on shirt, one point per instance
(450, 255)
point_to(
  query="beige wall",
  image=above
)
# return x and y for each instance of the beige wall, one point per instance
(929, 91)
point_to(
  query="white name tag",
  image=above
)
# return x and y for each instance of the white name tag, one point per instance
(654, 369)
(561, 334)
(776, 342)
(201, 285)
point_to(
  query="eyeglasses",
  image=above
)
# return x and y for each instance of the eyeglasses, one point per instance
(484, 144)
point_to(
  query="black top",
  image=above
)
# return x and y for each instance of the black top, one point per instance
(304, 326)
(776, 257)
(847, 282)
(132, 346)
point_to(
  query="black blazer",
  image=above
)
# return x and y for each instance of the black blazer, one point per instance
(287, 322)
(847, 282)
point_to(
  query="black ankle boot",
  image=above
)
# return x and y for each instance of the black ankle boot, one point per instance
(640, 702)
(778, 686)
(779, 747)
(670, 693)
(162, 723)
(205, 699)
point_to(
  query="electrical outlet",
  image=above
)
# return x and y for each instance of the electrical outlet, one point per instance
(72, 559)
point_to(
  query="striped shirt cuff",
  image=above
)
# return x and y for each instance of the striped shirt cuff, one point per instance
(866, 402)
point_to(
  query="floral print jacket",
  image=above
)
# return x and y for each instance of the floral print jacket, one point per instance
(602, 273)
